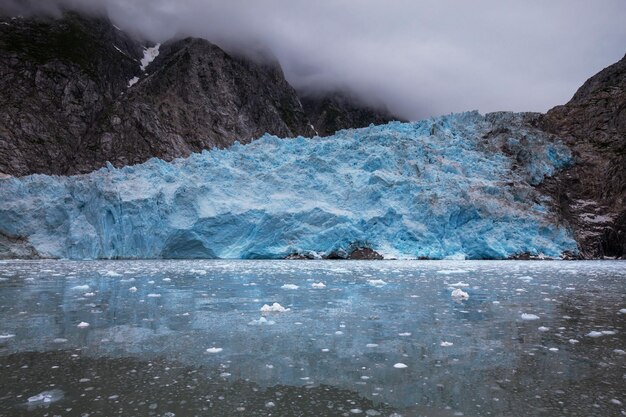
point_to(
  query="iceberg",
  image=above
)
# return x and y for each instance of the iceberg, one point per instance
(460, 186)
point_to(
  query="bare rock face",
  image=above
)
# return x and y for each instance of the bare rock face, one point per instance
(335, 111)
(591, 196)
(56, 78)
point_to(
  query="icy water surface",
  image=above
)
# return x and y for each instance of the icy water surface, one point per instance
(189, 338)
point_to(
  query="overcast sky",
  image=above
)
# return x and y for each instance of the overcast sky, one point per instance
(421, 58)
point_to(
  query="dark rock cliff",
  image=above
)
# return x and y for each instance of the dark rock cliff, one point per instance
(67, 106)
(591, 196)
(335, 111)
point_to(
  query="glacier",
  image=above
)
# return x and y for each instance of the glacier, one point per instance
(461, 186)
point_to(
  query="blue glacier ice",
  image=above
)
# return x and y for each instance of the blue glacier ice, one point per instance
(456, 186)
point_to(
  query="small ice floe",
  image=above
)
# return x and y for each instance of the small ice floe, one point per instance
(553, 349)
(619, 351)
(318, 285)
(356, 410)
(167, 280)
(622, 311)
(404, 334)
(59, 340)
(527, 316)
(543, 329)
(112, 274)
(452, 271)
(325, 350)
(80, 288)
(446, 344)
(82, 325)
(45, 397)
(289, 287)
(274, 308)
(214, 350)
(6, 336)
(615, 401)
(262, 321)
(376, 282)
(573, 341)
(371, 345)
(132, 289)
(153, 295)
(459, 294)
(400, 365)
(600, 333)
(89, 294)
(525, 278)
(459, 284)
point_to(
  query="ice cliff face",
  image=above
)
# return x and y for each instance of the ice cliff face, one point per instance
(455, 186)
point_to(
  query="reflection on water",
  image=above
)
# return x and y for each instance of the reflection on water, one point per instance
(188, 338)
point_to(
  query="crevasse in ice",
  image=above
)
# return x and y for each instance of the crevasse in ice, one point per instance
(457, 186)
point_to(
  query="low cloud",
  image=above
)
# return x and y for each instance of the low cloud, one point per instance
(421, 58)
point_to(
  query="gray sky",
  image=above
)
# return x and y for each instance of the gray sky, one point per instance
(420, 57)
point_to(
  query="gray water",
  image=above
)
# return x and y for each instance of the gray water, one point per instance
(187, 338)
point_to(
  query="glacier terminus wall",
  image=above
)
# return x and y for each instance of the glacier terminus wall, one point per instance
(461, 186)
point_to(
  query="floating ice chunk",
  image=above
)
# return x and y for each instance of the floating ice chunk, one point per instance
(89, 294)
(573, 341)
(459, 284)
(318, 285)
(553, 349)
(376, 282)
(452, 271)
(289, 287)
(459, 294)
(619, 351)
(325, 350)
(543, 329)
(167, 279)
(600, 333)
(371, 345)
(446, 344)
(80, 288)
(270, 404)
(400, 365)
(6, 336)
(153, 295)
(615, 401)
(45, 397)
(274, 308)
(356, 410)
(527, 316)
(525, 278)
(214, 350)
(622, 311)
(261, 322)
(112, 274)
(59, 340)
(82, 324)
(404, 334)
(132, 289)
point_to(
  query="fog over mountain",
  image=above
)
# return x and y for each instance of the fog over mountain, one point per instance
(420, 58)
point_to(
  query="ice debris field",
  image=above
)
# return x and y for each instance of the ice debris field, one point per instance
(449, 187)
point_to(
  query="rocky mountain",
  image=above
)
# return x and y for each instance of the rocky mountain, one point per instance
(591, 195)
(77, 92)
(337, 110)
